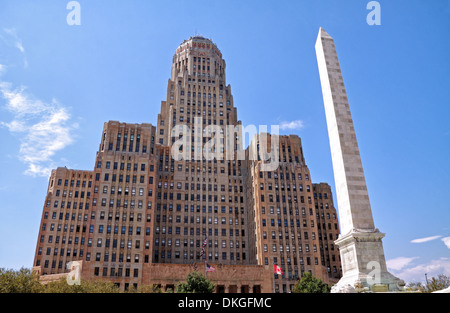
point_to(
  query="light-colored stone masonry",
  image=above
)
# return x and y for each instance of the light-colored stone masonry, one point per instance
(361, 249)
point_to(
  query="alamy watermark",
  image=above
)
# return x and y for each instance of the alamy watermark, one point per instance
(74, 16)
(74, 276)
(374, 16)
(374, 276)
(226, 143)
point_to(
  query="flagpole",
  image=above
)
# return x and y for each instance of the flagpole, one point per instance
(273, 276)
(205, 245)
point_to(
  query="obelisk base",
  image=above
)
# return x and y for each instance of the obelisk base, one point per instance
(363, 264)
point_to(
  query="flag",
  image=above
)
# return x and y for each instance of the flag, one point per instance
(209, 268)
(204, 246)
(277, 270)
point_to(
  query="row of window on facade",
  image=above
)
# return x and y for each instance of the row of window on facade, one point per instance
(288, 210)
(73, 252)
(75, 205)
(288, 250)
(280, 175)
(72, 183)
(198, 197)
(119, 272)
(190, 243)
(285, 223)
(199, 232)
(71, 193)
(125, 204)
(276, 186)
(197, 208)
(237, 197)
(122, 166)
(289, 198)
(207, 256)
(197, 219)
(121, 176)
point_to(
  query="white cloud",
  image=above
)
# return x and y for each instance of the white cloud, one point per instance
(417, 273)
(12, 39)
(292, 125)
(426, 239)
(446, 241)
(18, 103)
(17, 42)
(399, 263)
(44, 128)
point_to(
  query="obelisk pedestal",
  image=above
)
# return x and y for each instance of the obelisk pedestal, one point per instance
(360, 246)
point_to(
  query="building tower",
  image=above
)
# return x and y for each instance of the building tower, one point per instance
(284, 216)
(119, 235)
(361, 249)
(328, 230)
(206, 186)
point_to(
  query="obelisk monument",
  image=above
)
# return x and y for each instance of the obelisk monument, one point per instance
(360, 246)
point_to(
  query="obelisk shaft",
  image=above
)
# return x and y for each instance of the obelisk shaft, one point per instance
(360, 244)
(352, 196)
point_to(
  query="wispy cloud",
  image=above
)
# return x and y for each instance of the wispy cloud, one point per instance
(426, 239)
(399, 263)
(292, 125)
(416, 272)
(10, 37)
(446, 241)
(44, 128)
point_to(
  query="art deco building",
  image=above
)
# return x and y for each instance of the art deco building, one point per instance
(63, 233)
(285, 219)
(200, 196)
(163, 200)
(328, 229)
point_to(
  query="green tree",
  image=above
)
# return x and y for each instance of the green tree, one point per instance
(310, 284)
(437, 283)
(145, 289)
(416, 286)
(95, 286)
(195, 283)
(148, 289)
(21, 281)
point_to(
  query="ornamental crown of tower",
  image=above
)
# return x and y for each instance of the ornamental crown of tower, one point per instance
(198, 57)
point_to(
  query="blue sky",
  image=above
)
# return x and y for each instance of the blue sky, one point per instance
(63, 82)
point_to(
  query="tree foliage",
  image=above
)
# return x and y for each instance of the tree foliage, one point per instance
(21, 281)
(437, 283)
(25, 281)
(434, 284)
(310, 284)
(195, 283)
(96, 286)
(416, 286)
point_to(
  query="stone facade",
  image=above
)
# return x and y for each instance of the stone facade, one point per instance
(159, 195)
(285, 218)
(66, 218)
(227, 278)
(328, 230)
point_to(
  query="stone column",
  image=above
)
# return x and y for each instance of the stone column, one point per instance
(361, 249)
